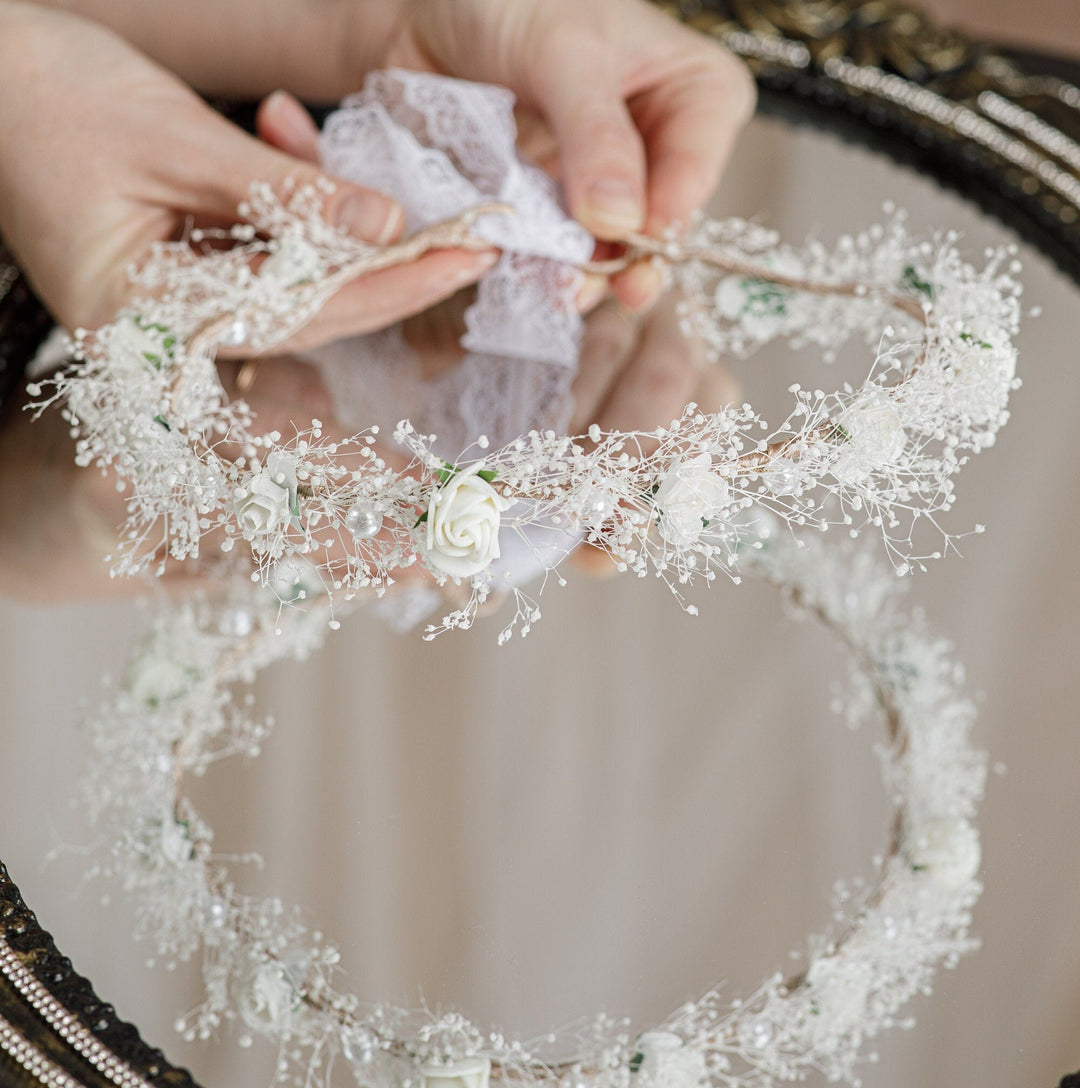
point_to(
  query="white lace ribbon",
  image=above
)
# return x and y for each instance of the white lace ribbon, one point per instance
(440, 146)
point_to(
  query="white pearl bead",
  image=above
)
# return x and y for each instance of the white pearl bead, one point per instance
(236, 334)
(363, 521)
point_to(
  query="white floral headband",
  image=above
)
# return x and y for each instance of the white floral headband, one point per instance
(145, 401)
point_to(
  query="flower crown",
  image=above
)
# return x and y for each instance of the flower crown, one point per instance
(144, 399)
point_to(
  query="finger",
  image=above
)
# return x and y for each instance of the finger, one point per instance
(282, 122)
(603, 158)
(383, 298)
(608, 339)
(660, 378)
(214, 164)
(639, 287)
(591, 293)
(690, 126)
(536, 141)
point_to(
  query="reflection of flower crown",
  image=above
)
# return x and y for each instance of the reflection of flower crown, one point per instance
(263, 968)
(144, 399)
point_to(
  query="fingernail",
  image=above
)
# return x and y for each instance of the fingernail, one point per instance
(293, 120)
(370, 216)
(591, 293)
(615, 206)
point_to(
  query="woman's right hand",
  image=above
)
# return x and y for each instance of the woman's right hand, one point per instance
(102, 152)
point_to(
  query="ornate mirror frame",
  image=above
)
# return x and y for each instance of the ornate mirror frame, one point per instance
(1001, 129)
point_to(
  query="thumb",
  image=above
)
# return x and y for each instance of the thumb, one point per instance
(603, 157)
(236, 160)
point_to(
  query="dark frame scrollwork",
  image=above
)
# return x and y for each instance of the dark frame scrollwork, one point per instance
(1000, 128)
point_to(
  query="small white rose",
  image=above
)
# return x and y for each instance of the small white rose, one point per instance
(982, 376)
(873, 438)
(947, 849)
(135, 348)
(689, 494)
(268, 501)
(461, 534)
(730, 297)
(470, 1073)
(267, 997)
(176, 845)
(838, 993)
(664, 1061)
(154, 678)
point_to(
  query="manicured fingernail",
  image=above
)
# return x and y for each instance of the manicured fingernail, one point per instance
(370, 216)
(293, 122)
(614, 206)
(591, 293)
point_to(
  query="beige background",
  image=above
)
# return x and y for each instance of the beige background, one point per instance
(632, 804)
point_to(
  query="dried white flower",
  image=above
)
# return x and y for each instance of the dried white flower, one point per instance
(461, 534)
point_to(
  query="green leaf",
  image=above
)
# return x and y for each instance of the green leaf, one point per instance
(163, 421)
(446, 473)
(421, 519)
(636, 1061)
(913, 281)
(296, 508)
(150, 357)
(841, 432)
(969, 339)
(487, 474)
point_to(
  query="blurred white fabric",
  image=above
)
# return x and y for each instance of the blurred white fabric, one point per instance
(566, 824)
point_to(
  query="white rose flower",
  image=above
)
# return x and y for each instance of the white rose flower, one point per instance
(838, 992)
(947, 849)
(268, 501)
(982, 376)
(135, 349)
(461, 535)
(666, 1062)
(176, 845)
(730, 297)
(267, 997)
(153, 679)
(470, 1073)
(874, 438)
(689, 495)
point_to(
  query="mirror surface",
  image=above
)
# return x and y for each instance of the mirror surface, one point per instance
(632, 804)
